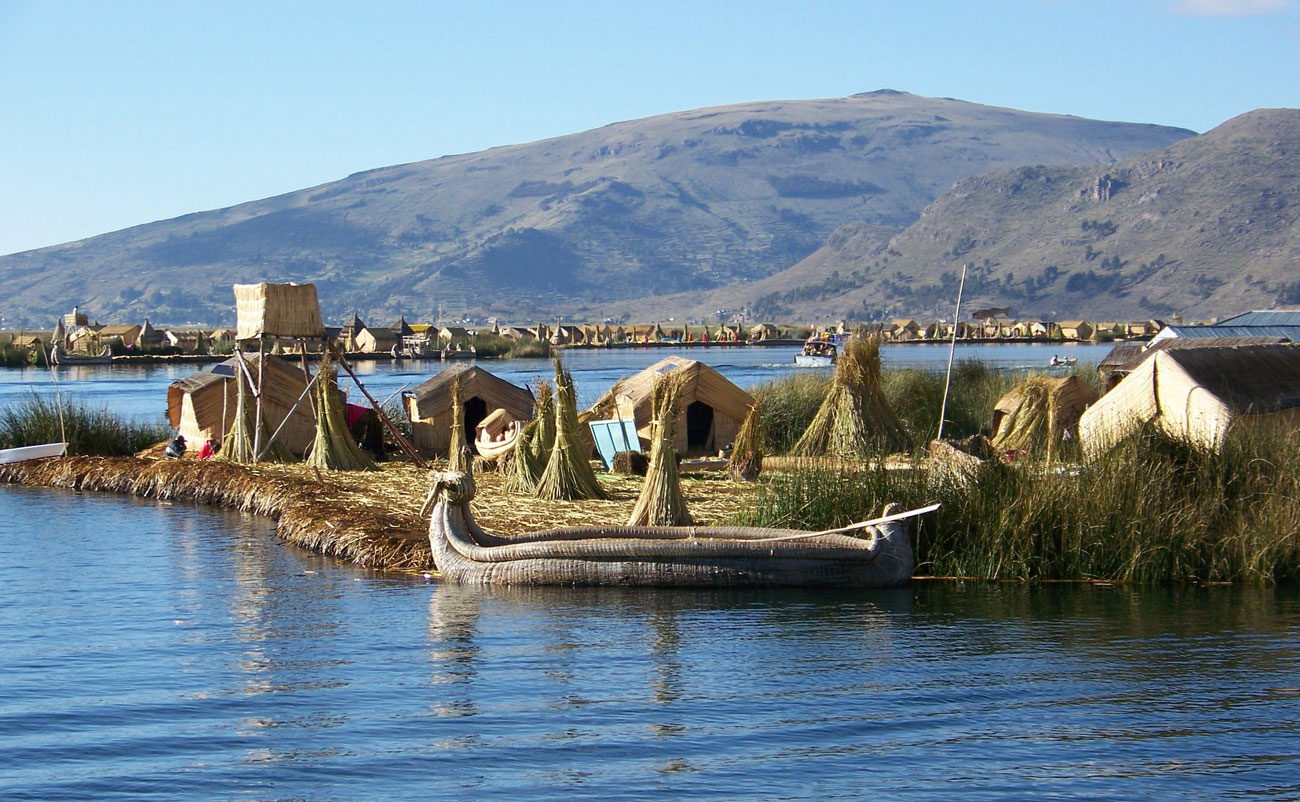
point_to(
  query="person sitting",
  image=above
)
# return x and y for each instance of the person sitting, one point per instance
(176, 448)
(209, 449)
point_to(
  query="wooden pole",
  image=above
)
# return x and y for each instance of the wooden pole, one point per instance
(401, 441)
(257, 413)
(952, 349)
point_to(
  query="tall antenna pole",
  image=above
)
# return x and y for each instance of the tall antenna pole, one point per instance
(952, 349)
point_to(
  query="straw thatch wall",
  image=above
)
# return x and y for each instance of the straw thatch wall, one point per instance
(277, 310)
(428, 406)
(202, 406)
(726, 403)
(1198, 394)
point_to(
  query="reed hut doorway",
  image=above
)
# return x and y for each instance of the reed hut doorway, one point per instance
(699, 426)
(476, 409)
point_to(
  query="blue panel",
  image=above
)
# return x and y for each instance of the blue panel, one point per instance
(613, 436)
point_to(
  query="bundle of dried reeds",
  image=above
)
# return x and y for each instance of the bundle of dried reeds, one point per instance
(855, 420)
(1026, 427)
(568, 473)
(528, 460)
(661, 502)
(458, 450)
(334, 449)
(746, 459)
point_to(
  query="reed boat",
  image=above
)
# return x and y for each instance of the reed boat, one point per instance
(670, 556)
(60, 357)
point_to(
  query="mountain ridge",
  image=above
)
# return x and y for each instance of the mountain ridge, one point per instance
(686, 201)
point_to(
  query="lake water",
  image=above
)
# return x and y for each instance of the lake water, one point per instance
(174, 652)
(140, 391)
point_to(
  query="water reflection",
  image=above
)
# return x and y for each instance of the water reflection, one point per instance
(180, 652)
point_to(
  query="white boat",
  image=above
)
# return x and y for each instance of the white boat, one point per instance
(818, 353)
(24, 453)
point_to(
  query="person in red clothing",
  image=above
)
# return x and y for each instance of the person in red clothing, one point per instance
(210, 448)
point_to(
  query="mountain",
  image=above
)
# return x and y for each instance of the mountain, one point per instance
(682, 202)
(1206, 227)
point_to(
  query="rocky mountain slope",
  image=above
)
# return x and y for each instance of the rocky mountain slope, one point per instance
(683, 202)
(1206, 227)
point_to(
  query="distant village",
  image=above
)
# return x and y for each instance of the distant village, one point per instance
(75, 338)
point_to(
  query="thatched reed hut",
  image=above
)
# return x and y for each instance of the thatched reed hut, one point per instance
(1199, 394)
(712, 408)
(375, 340)
(429, 406)
(202, 406)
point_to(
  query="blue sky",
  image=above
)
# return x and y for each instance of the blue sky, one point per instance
(116, 114)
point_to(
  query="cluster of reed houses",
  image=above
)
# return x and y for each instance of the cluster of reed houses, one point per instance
(74, 333)
(205, 405)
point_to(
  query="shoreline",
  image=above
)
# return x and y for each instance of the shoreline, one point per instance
(315, 514)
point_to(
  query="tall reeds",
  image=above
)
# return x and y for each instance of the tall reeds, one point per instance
(89, 432)
(855, 421)
(1154, 509)
(660, 502)
(568, 473)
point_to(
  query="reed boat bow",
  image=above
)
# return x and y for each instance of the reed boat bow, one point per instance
(667, 556)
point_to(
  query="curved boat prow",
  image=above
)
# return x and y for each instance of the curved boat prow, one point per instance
(663, 556)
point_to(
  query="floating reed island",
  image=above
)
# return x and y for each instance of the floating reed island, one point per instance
(368, 518)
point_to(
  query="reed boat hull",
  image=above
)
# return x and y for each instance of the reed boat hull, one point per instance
(657, 556)
(59, 357)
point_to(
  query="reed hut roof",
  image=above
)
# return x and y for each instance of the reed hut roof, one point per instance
(401, 328)
(700, 383)
(1197, 393)
(433, 397)
(277, 310)
(373, 339)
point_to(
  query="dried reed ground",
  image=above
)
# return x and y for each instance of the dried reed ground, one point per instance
(369, 519)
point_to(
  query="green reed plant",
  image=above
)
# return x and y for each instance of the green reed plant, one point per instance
(789, 405)
(1154, 509)
(14, 356)
(90, 432)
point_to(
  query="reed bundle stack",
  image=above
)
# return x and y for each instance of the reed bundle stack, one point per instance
(568, 473)
(660, 502)
(1038, 412)
(855, 420)
(528, 461)
(458, 450)
(334, 448)
(746, 460)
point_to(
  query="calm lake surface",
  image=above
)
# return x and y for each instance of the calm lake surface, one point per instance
(175, 652)
(140, 392)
